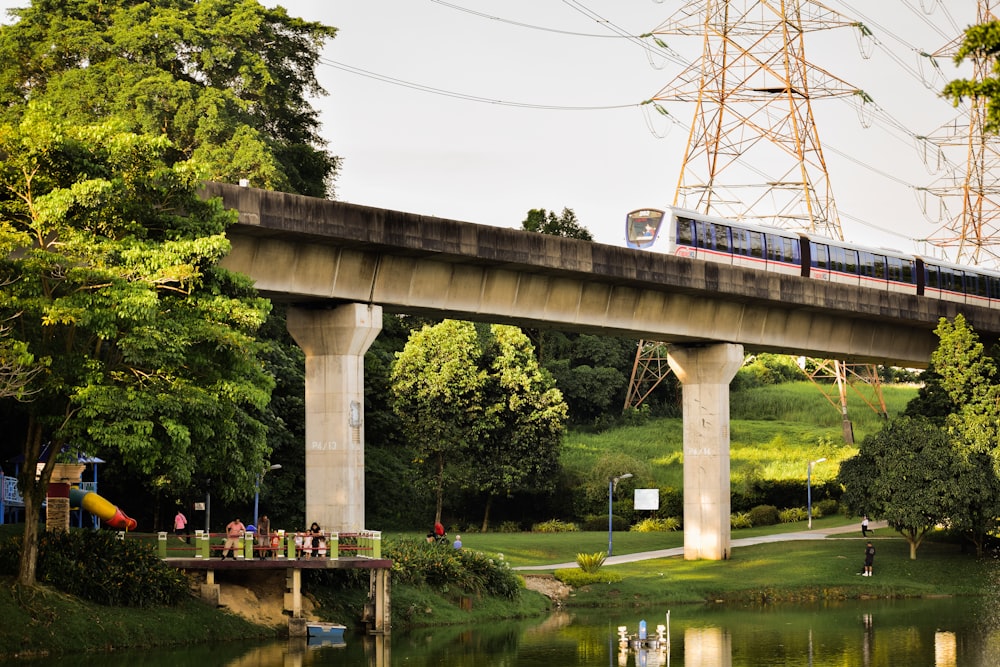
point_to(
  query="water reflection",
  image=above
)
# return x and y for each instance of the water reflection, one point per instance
(943, 633)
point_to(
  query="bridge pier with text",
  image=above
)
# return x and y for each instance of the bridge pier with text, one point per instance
(705, 373)
(335, 341)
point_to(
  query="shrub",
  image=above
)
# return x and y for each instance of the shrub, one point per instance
(576, 577)
(826, 507)
(98, 566)
(600, 522)
(554, 526)
(793, 514)
(740, 520)
(591, 563)
(764, 515)
(509, 527)
(418, 563)
(664, 525)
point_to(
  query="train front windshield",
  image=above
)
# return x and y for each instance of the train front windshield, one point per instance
(642, 227)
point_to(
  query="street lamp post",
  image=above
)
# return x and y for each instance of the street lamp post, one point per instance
(612, 482)
(256, 495)
(809, 494)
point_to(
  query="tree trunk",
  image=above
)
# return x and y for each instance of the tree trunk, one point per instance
(440, 490)
(33, 492)
(486, 514)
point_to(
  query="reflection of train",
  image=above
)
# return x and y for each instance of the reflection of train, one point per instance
(689, 234)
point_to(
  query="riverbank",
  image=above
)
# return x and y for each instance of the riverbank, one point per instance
(775, 570)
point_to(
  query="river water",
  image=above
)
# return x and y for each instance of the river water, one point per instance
(945, 632)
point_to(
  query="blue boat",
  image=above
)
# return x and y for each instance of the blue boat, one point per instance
(325, 632)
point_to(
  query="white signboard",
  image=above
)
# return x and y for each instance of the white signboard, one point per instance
(647, 499)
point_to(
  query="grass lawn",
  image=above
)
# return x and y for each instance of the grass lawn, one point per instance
(520, 549)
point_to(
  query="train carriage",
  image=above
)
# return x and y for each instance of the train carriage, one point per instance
(690, 234)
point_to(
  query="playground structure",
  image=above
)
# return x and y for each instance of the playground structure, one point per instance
(78, 495)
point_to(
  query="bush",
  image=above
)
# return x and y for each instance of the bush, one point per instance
(575, 577)
(554, 526)
(600, 522)
(665, 525)
(98, 566)
(418, 563)
(740, 520)
(509, 527)
(826, 507)
(591, 563)
(764, 515)
(793, 514)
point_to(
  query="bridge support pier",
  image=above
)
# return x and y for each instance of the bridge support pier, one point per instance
(335, 341)
(705, 373)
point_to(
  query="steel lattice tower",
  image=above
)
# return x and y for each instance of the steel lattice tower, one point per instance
(972, 235)
(753, 151)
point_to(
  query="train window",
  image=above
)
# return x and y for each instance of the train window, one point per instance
(702, 234)
(994, 286)
(932, 278)
(756, 246)
(899, 270)
(909, 268)
(684, 234)
(838, 259)
(975, 284)
(781, 249)
(951, 279)
(721, 234)
(851, 261)
(820, 255)
(866, 264)
(879, 266)
(643, 225)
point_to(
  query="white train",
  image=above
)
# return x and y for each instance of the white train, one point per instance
(689, 234)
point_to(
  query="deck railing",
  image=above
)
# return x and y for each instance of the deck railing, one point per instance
(279, 545)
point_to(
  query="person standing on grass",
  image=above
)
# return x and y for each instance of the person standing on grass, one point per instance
(869, 559)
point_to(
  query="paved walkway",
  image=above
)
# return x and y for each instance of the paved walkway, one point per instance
(815, 534)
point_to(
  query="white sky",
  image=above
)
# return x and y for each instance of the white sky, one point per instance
(490, 162)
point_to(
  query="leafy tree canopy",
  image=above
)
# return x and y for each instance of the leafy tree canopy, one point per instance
(906, 474)
(565, 225)
(146, 346)
(980, 42)
(477, 408)
(228, 82)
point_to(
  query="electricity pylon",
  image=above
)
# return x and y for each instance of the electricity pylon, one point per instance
(970, 233)
(753, 150)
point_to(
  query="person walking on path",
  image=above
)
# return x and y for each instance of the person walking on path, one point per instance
(869, 559)
(180, 527)
(234, 531)
(864, 526)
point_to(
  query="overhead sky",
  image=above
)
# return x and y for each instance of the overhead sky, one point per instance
(480, 110)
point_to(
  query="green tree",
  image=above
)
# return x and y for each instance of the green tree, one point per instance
(147, 345)
(480, 412)
(547, 222)
(980, 42)
(968, 376)
(228, 82)
(525, 419)
(437, 392)
(907, 473)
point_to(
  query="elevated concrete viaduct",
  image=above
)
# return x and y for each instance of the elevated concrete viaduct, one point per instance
(340, 264)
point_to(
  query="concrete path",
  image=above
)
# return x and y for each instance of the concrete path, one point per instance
(815, 534)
